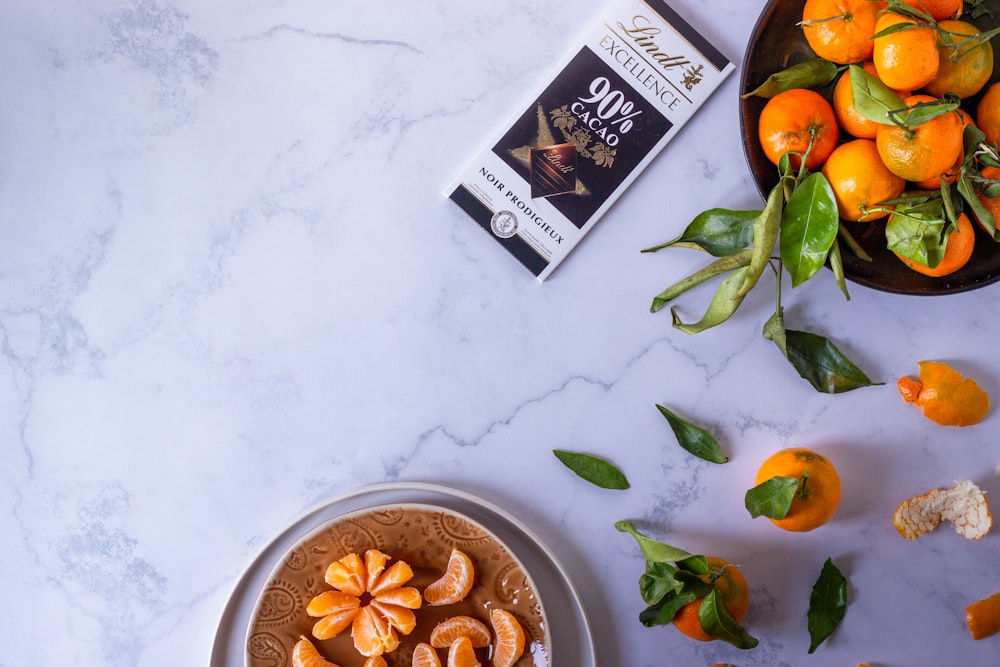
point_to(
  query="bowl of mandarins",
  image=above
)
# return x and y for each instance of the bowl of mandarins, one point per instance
(408, 584)
(918, 156)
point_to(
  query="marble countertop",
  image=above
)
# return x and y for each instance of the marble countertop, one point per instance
(232, 289)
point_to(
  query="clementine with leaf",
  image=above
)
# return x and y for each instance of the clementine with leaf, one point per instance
(732, 587)
(959, 245)
(908, 58)
(965, 65)
(797, 489)
(926, 150)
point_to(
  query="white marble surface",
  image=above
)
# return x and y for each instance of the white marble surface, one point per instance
(232, 289)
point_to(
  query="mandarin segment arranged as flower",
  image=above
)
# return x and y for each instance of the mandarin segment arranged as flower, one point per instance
(947, 397)
(369, 597)
(305, 654)
(510, 638)
(455, 583)
(983, 617)
(450, 629)
(964, 505)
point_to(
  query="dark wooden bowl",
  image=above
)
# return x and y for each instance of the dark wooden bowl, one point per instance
(777, 42)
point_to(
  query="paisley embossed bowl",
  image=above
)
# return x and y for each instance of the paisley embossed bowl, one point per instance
(423, 536)
(776, 43)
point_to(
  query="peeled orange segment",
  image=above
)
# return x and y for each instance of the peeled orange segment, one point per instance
(509, 638)
(347, 574)
(400, 618)
(454, 584)
(304, 654)
(398, 574)
(983, 617)
(375, 661)
(375, 562)
(448, 630)
(946, 397)
(407, 596)
(335, 610)
(462, 654)
(964, 505)
(372, 633)
(424, 655)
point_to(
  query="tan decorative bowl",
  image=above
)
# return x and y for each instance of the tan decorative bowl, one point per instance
(423, 536)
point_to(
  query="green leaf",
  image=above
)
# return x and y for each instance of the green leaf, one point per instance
(717, 231)
(717, 622)
(774, 330)
(809, 227)
(819, 361)
(725, 302)
(658, 581)
(873, 99)
(658, 552)
(765, 234)
(837, 265)
(718, 267)
(595, 470)
(772, 498)
(813, 73)
(827, 604)
(664, 611)
(917, 235)
(694, 438)
(982, 214)
(921, 112)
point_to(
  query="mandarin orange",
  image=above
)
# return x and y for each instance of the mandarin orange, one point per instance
(962, 70)
(959, 245)
(925, 151)
(860, 181)
(732, 587)
(906, 59)
(841, 30)
(818, 494)
(796, 121)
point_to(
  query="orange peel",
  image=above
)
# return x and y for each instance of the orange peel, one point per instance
(964, 506)
(947, 397)
(983, 617)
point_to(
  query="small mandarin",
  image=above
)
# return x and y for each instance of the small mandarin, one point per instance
(959, 245)
(961, 71)
(938, 9)
(905, 59)
(791, 121)
(988, 114)
(925, 151)
(818, 494)
(860, 181)
(848, 117)
(841, 30)
(732, 587)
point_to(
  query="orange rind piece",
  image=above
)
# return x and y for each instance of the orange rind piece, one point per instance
(947, 397)
(454, 584)
(305, 654)
(964, 505)
(983, 617)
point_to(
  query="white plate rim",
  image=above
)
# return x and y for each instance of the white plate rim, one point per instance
(228, 646)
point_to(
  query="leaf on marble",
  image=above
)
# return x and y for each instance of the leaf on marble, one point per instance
(717, 231)
(660, 552)
(827, 604)
(597, 471)
(694, 438)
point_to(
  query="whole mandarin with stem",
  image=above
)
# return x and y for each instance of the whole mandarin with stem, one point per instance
(818, 493)
(925, 151)
(796, 121)
(733, 591)
(906, 59)
(841, 30)
(860, 181)
(963, 69)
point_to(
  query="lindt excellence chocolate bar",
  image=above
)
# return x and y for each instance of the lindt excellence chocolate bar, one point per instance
(620, 95)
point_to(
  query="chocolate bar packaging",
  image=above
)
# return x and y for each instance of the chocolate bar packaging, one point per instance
(621, 94)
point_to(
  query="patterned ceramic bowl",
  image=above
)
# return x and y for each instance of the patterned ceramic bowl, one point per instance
(423, 536)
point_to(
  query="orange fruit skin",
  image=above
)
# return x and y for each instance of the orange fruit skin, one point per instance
(790, 119)
(992, 205)
(957, 252)
(908, 59)
(966, 76)
(947, 398)
(939, 9)
(927, 151)
(732, 586)
(849, 119)
(952, 173)
(988, 114)
(860, 180)
(983, 617)
(841, 30)
(818, 496)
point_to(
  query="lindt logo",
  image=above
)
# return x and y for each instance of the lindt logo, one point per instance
(642, 31)
(556, 159)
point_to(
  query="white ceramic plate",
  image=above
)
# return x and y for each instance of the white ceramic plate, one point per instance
(568, 626)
